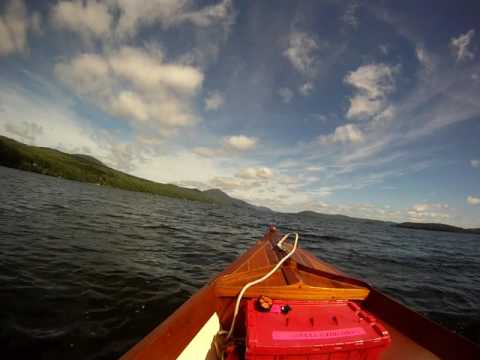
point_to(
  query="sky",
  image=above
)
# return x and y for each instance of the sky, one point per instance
(368, 109)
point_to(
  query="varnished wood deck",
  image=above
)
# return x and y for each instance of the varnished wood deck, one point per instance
(291, 282)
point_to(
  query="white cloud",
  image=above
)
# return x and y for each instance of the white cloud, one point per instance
(179, 167)
(373, 83)
(240, 142)
(424, 58)
(121, 19)
(129, 105)
(240, 187)
(473, 200)
(135, 15)
(429, 212)
(24, 131)
(117, 22)
(214, 101)
(460, 46)
(286, 94)
(208, 15)
(374, 79)
(135, 84)
(14, 26)
(255, 173)
(423, 207)
(89, 18)
(363, 107)
(35, 120)
(384, 116)
(146, 70)
(87, 74)
(301, 53)
(231, 146)
(228, 183)
(306, 89)
(348, 133)
(262, 186)
(475, 163)
(208, 152)
(426, 216)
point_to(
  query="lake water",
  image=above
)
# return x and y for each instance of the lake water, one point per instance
(86, 271)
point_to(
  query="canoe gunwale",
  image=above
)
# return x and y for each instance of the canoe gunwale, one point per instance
(425, 332)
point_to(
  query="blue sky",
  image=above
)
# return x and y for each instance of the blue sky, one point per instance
(367, 109)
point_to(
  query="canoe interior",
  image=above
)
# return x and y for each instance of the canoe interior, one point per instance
(306, 277)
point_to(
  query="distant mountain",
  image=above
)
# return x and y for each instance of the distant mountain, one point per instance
(437, 227)
(86, 168)
(314, 214)
(223, 198)
(311, 213)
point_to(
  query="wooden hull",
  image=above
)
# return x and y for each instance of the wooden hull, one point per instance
(191, 325)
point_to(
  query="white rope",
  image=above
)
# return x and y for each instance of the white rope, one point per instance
(280, 242)
(263, 278)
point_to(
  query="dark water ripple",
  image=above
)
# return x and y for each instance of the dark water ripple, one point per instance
(86, 271)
